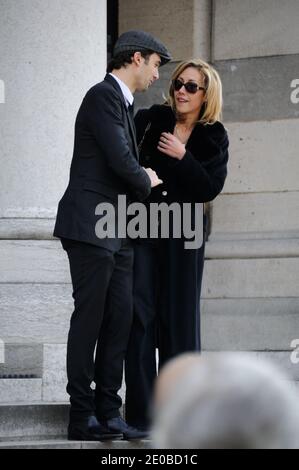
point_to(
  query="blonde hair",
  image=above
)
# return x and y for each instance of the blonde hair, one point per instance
(211, 110)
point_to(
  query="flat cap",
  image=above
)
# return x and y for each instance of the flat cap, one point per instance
(139, 41)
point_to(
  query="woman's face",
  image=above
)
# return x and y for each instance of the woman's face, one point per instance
(185, 102)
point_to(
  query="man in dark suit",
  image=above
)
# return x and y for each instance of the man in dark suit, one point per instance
(104, 166)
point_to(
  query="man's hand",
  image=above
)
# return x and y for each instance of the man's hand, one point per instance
(155, 181)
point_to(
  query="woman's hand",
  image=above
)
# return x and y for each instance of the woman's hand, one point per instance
(171, 146)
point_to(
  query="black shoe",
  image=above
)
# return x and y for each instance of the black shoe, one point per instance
(120, 426)
(89, 429)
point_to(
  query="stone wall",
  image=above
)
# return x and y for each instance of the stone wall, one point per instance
(250, 294)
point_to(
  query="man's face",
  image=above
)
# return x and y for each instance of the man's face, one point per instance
(148, 72)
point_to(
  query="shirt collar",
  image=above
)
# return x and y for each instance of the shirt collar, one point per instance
(129, 98)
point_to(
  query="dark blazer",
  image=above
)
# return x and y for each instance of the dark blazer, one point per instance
(200, 175)
(104, 165)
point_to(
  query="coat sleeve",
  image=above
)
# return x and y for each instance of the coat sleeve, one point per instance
(106, 119)
(205, 177)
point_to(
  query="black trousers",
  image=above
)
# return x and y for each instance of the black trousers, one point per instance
(166, 304)
(102, 318)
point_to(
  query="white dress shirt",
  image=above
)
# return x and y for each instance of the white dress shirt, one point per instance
(129, 98)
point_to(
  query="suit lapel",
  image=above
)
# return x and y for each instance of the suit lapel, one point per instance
(133, 131)
(129, 118)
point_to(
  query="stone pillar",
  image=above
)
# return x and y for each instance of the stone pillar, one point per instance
(51, 52)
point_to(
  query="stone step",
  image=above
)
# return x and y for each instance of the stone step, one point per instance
(43, 426)
(54, 374)
(249, 324)
(225, 248)
(34, 421)
(41, 315)
(38, 309)
(54, 356)
(49, 382)
(256, 212)
(33, 261)
(251, 273)
(217, 331)
(248, 142)
(36, 312)
(251, 278)
(22, 419)
(220, 332)
(42, 421)
(282, 359)
(20, 390)
(59, 443)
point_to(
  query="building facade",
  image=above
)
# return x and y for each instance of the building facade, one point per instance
(51, 53)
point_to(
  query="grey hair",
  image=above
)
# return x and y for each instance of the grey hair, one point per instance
(229, 401)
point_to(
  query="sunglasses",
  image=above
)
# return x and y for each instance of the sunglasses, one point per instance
(190, 87)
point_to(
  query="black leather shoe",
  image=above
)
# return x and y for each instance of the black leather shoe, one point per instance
(120, 426)
(89, 429)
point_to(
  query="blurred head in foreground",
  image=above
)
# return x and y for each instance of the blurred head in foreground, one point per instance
(224, 401)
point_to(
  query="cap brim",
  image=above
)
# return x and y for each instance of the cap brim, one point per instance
(164, 59)
(127, 47)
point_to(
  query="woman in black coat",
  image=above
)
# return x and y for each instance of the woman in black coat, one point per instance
(184, 142)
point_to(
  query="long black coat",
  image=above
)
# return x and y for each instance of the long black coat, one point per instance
(167, 276)
(197, 178)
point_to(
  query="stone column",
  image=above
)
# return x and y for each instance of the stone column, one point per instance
(51, 52)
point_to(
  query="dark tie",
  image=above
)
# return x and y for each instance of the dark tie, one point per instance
(131, 110)
(131, 116)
